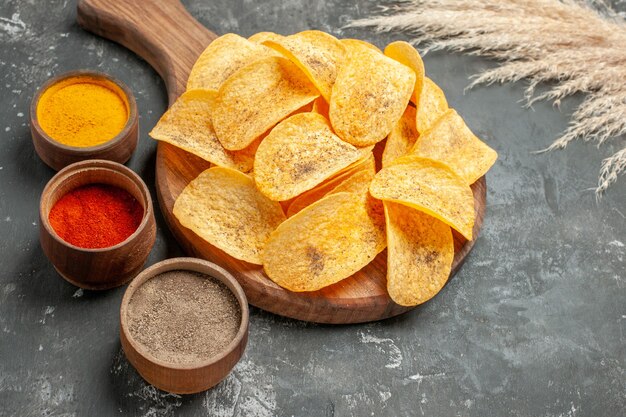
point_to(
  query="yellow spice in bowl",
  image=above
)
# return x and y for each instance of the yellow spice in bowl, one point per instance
(83, 111)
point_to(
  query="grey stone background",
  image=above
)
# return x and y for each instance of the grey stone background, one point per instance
(532, 325)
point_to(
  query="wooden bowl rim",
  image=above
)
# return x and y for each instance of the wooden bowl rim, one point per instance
(184, 264)
(79, 168)
(124, 135)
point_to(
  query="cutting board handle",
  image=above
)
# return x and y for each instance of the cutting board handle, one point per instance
(160, 31)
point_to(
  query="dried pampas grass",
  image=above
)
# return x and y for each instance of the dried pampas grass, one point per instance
(581, 47)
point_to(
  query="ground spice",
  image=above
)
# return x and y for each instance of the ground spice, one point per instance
(82, 111)
(183, 317)
(96, 216)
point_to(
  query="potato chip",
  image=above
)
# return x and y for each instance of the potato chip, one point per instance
(320, 106)
(429, 186)
(326, 242)
(311, 196)
(307, 108)
(420, 250)
(432, 105)
(450, 141)
(257, 97)
(223, 57)
(316, 53)
(286, 204)
(315, 194)
(366, 157)
(369, 96)
(356, 180)
(406, 54)
(261, 37)
(350, 42)
(299, 153)
(378, 151)
(224, 207)
(402, 138)
(366, 161)
(187, 125)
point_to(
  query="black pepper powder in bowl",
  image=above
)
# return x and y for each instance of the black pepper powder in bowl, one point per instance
(183, 317)
(184, 324)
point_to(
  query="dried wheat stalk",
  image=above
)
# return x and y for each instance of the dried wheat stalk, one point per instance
(580, 47)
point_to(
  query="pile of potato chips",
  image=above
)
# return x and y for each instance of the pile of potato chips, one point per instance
(289, 124)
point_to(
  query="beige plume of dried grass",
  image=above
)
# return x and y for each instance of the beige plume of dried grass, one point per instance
(580, 47)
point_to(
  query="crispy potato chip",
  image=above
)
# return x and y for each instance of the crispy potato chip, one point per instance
(366, 161)
(450, 141)
(307, 108)
(356, 180)
(402, 138)
(366, 157)
(420, 250)
(432, 105)
(286, 204)
(320, 106)
(299, 153)
(223, 57)
(223, 207)
(369, 96)
(187, 125)
(261, 37)
(429, 186)
(257, 97)
(311, 196)
(316, 53)
(350, 42)
(378, 151)
(406, 54)
(325, 243)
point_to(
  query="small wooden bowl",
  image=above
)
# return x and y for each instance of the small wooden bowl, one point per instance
(103, 268)
(118, 149)
(188, 378)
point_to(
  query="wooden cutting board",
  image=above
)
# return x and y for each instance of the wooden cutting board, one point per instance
(170, 39)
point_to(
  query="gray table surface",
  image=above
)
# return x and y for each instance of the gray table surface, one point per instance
(532, 325)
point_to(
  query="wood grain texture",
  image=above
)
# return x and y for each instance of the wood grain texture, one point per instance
(161, 32)
(171, 40)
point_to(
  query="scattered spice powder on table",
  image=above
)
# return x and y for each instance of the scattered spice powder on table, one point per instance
(183, 317)
(96, 216)
(82, 111)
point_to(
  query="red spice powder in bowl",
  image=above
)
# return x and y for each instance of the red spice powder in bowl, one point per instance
(96, 216)
(96, 223)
